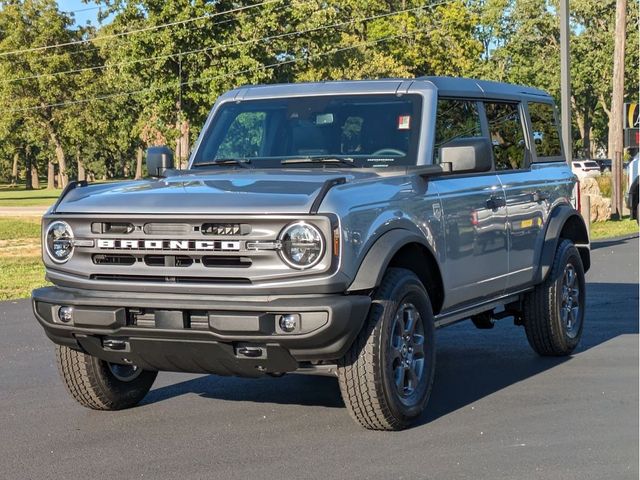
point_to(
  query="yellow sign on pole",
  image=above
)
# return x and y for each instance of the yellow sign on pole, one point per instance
(631, 119)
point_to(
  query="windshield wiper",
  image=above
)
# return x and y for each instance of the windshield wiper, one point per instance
(319, 159)
(243, 162)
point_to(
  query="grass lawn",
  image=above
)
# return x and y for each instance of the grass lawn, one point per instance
(613, 228)
(19, 275)
(19, 197)
(12, 228)
(21, 267)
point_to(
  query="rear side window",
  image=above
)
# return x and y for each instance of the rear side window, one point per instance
(545, 130)
(507, 137)
(456, 119)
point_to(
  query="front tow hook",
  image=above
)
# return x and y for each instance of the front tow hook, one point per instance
(112, 344)
(250, 352)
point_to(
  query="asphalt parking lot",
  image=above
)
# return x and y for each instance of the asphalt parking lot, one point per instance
(497, 411)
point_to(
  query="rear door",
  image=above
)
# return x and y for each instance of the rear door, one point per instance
(473, 214)
(528, 186)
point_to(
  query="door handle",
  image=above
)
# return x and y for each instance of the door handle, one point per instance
(539, 196)
(494, 202)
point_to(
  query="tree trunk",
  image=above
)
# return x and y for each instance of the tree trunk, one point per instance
(81, 172)
(182, 143)
(585, 133)
(593, 147)
(14, 169)
(27, 162)
(580, 122)
(35, 180)
(616, 134)
(139, 155)
(51, 175)
(60, 156)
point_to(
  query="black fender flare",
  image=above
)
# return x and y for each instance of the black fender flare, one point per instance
(632, 196)
(561, 216)
(378, 257)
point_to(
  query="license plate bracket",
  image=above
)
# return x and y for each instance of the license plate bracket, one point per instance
(171, 319)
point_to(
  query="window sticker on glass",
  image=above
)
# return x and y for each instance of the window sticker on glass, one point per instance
(324, 119)
(404, 122)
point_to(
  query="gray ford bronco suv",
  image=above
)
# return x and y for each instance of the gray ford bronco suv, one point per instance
(321, 228)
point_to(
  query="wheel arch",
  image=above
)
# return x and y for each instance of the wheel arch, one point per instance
(402, 249)
(564, 222)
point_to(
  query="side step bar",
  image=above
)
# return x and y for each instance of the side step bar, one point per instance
(449, 318)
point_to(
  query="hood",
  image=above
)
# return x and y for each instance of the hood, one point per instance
(234, 191)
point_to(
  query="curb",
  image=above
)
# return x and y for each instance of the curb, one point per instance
(629, 236)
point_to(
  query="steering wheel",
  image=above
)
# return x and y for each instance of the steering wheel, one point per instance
(389, 151)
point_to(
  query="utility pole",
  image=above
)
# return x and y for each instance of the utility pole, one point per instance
(565, 81)
(616, 134)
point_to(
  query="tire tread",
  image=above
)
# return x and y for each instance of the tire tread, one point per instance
(86, 381)
(361, 386)
(543, 332)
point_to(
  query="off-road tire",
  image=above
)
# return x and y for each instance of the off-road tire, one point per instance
(546, 332)
(365, 372)
(91, 382)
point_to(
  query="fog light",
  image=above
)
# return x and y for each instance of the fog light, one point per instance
(289, 322)
(65, 314)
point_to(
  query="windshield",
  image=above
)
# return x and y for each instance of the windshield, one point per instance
(349, 131)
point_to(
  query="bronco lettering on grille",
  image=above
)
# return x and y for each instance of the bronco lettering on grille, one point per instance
(177, 245)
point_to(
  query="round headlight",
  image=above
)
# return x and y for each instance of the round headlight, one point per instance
(302, 245)
(59, 241)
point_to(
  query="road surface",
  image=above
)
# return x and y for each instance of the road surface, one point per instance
(497, 411)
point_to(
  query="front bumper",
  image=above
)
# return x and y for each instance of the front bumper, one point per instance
(221, 335)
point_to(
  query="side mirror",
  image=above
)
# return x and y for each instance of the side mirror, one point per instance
(467, 154)
(159, 160)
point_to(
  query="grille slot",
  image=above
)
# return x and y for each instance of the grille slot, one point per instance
(168, 260)
(240, 262)
(162, 279)
(113, 259)
(112, 227)
(158, 228)
(225, 229)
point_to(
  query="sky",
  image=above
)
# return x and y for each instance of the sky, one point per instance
(84, 11)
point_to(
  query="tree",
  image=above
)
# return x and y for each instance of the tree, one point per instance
(30, 89)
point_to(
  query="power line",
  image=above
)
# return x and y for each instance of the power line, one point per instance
(139, 30)
(80, 10)
(286, 6)
(224, 46)
(225, 75)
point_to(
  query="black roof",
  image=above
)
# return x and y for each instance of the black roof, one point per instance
(484, 88)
